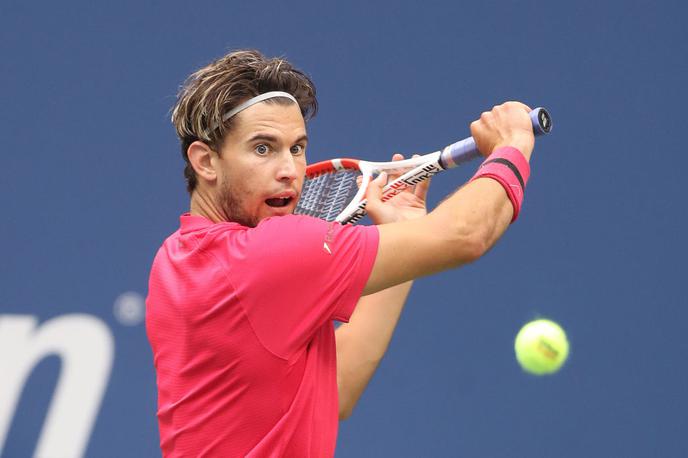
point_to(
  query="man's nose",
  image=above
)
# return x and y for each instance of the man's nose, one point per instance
(287, 167)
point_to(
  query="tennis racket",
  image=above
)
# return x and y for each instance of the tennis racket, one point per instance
(330, 191)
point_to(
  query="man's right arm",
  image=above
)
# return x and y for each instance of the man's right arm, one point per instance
(463, 227)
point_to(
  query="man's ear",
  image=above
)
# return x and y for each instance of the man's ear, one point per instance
(200, 156)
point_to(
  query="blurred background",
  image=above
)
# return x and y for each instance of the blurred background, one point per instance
(92, 183)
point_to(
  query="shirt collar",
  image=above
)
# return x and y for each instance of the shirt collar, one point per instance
(190, 223)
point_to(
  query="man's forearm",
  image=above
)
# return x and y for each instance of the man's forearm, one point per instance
(363, 341)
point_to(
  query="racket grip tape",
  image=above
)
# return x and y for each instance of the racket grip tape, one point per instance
(466, 150)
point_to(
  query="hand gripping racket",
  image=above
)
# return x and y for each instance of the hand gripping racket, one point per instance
(330, 191)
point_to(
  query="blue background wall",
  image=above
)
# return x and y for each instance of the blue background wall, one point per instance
(92, 183)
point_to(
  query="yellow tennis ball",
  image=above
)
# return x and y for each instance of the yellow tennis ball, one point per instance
(541, 347)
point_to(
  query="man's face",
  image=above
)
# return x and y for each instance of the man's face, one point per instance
(262, 163)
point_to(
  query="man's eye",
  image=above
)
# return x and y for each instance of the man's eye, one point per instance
(262, 149)
(296, 149)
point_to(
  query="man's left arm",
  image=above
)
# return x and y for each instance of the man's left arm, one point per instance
(363, 341)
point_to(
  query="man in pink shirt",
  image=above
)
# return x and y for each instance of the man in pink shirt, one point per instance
(242, 297)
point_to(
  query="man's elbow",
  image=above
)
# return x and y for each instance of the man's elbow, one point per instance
(345, 410)
(346, 406)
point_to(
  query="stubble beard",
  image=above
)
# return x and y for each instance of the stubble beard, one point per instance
(230, 205)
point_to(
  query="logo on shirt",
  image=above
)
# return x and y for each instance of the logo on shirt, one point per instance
(329, 238)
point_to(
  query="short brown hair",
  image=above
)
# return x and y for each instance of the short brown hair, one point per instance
(215, 89)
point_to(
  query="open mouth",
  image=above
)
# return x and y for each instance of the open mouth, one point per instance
(278, 202)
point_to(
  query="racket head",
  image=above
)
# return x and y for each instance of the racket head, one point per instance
(332, 166)
(330, 186)
(331, 191)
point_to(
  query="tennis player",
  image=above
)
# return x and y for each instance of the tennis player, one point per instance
(243, 296)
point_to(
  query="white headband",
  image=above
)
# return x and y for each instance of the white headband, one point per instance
(257, 99)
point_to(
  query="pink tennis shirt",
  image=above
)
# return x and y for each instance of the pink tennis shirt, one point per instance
(241, 325)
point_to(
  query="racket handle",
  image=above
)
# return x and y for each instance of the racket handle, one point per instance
(466, 150)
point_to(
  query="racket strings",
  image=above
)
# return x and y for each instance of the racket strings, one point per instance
(326, 195)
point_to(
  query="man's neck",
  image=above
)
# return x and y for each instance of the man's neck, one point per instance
(202, 205)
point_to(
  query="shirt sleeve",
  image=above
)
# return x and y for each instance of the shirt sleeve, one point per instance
(297, 272)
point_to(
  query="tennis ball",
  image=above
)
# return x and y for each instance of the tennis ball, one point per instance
(541, 347)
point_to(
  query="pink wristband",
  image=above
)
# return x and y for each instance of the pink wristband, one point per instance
(510, 168)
